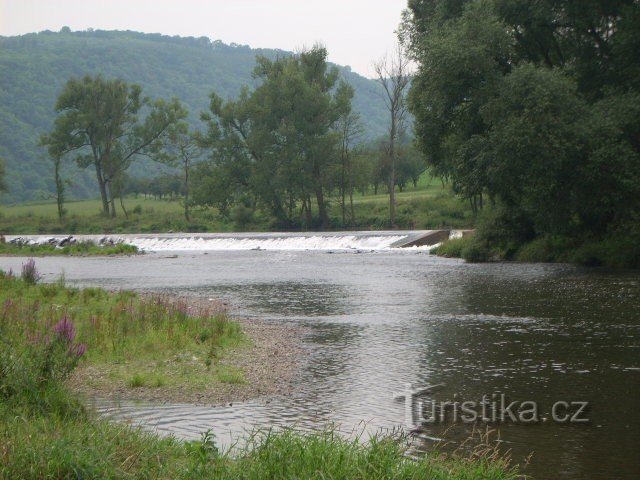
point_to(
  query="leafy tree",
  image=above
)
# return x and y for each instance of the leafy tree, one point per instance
(182, 149)
(535, 105)
(282, 134)
(98, 124)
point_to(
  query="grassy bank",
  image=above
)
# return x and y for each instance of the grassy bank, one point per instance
(131, 341)
(47, 331)
(429, 205)
(613, 252)
(79, 249)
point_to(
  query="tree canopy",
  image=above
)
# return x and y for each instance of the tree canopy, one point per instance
(277, 144)
(532, 105)
(98, 125)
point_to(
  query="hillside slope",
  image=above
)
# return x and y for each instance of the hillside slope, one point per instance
(34, 67)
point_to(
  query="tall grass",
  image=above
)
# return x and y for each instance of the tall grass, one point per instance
(167, 342)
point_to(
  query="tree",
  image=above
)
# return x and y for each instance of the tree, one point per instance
(349, 129)
(282, 134)
(535, 106)
(182, 150)
(60, 185)
(393, 74)
(98, 123)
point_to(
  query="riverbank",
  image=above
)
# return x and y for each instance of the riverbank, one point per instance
(265, 364)
(155, 347)
(611, 252)
(66, 246)
(429, 206)
(49, 330)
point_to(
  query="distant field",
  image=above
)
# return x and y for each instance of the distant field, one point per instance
(429, 205)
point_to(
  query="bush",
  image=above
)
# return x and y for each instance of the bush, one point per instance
(30, 274)
(452, 247)
(476, 251)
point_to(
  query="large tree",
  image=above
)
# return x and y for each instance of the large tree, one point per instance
(532, 104)
(281, 134)
(98, 125)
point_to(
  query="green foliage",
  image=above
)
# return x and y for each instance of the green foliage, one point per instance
(87, 248)
(121, 332)
(34, 68)
(276, 144)
(530, 106)
(452, 247)
(98, 125)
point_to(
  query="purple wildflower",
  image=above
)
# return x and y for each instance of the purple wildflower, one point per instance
(80, 349)
(65, 330)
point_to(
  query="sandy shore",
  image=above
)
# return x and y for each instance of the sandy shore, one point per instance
(270, 365)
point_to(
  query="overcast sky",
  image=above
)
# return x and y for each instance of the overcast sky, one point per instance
(355, 32)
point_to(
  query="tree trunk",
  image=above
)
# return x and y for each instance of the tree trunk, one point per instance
(392, 174)
(103, 191)
(353, 216)
(186, 192)
(110, 200)
(322, 210)
(126, 215)
(59, 190)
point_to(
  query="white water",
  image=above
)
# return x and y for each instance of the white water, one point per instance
(312, 242)
(176, 242)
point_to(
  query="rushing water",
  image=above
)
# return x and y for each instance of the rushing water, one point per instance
(381, 319)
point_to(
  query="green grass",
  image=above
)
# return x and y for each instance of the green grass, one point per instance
(425, 207)
(131, 340)
(48, 446)
(79, 249)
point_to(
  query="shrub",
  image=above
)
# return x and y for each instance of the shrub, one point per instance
(30, 274)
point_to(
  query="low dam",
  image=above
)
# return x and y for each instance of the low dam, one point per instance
(364, 241)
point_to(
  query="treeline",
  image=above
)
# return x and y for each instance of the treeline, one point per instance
(34, 68)
(286, 148)
(531, 110)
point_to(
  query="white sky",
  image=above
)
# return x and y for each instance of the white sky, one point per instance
(355, 32)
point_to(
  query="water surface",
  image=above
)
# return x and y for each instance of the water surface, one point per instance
(378, 320)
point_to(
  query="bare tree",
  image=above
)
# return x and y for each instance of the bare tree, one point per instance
(349, 129)
(392, 72)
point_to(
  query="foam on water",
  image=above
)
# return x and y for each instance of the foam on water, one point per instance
(312, 242)
(365, 241)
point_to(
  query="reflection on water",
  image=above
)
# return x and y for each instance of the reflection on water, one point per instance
(378, 321)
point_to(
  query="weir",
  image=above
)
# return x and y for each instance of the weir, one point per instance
(300, 241)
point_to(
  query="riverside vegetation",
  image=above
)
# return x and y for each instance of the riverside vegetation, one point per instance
(47, 330)
(428, 205)
(82, 248)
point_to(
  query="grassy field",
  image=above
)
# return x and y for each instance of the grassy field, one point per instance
(427, 206)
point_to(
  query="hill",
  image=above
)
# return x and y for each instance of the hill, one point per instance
(34, 67)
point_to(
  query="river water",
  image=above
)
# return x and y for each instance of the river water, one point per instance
(380, 318)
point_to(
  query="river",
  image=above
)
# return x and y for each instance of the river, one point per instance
(379, 318)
